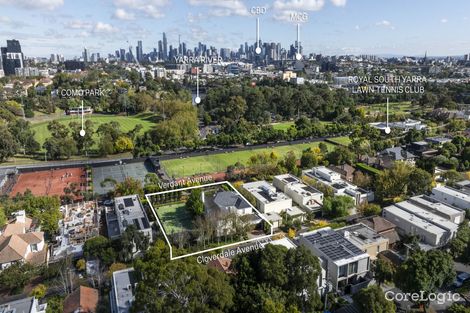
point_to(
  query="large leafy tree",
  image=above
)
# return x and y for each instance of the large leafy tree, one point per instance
(43, 208)
(276, 277)
(16, 276)
(402, 180)
(459, 244)
(8, 145)
(99, 247)
(130, 242)
(337, 206)
(383, 271)
(194, 203)
(372, 300)
(180, 285)
(425, 272)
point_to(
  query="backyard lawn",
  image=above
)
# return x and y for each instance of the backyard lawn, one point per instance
(174, 217)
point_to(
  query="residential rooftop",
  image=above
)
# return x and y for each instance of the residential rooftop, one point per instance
(333, 244)
(360, 234)
(415, 220)
(264, 192)
(124, 283)
(432, 204)
(127, 211)
(230, 199)
(435, 219)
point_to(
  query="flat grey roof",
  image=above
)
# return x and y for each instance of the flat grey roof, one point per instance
(124, 283)
(453, 192)
(433, 204)
(18, 306)
(127, 211)
(264, 192)
(413, 219)
(361, 234)
(429, 216)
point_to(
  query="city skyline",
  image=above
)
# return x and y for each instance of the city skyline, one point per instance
(359, 27)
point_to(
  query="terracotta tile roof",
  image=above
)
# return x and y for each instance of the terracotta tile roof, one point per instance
(33, 237)
(14, 229)
(12, 248)
(222, 264)
(379, 224)
(84, 299)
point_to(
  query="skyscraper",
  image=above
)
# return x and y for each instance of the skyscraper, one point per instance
(85, 55)
(139, 52)
(11, 57)
(165, 47)
(2, 73)
(160, 50)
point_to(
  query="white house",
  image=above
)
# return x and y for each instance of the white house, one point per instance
(306, 197)
(340, 186)
(451, 196)
(410, 224)
(268, 199)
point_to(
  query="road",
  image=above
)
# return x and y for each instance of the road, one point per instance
(165, 156)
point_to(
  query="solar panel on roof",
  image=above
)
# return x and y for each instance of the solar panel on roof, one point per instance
(333, 245)
(128, 202)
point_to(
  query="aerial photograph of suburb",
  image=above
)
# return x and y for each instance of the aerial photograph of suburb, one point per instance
(234, 156)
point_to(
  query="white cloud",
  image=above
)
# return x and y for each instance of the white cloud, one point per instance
(34, 4)
(444, 20)
(339, 3)
(223, 8)
(101, 28)
(122, 14)
(284, 15)
(78, 24)
(307, 5)
(357, 27)
(148, 8)
(385, 24)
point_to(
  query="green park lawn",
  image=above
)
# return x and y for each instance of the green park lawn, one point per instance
(127, 123)
(219, 162)
(174, 217)
(343, 141)
(284, 126)
(393, 108)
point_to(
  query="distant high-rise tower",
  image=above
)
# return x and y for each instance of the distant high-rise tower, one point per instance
(160, 50)
(165, 47)
(139, 51)
(85, 55)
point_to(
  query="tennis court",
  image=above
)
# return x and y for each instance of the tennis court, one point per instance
(118, 173)
(51, 182)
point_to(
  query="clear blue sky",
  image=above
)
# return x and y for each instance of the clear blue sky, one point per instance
(402, 27)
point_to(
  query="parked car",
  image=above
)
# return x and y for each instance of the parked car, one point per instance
(460, 279)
